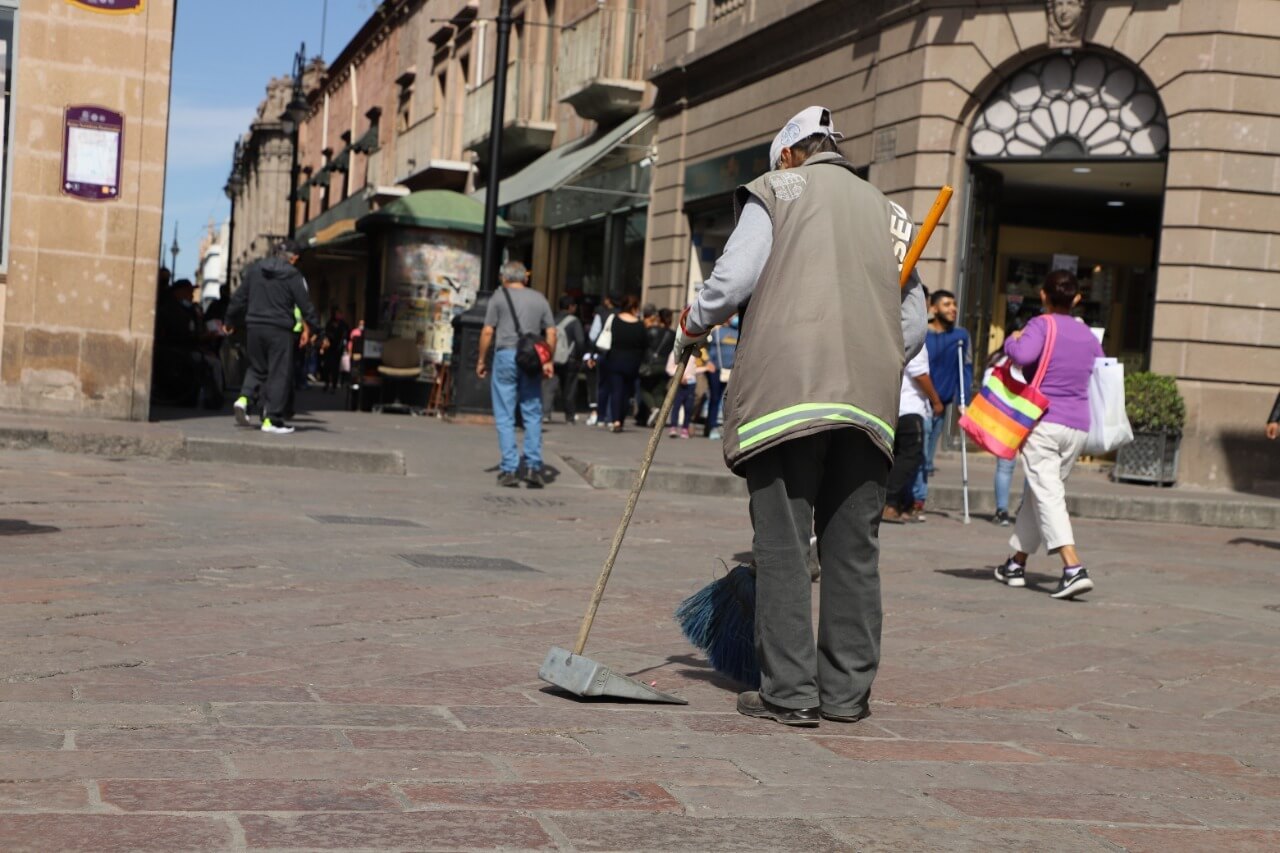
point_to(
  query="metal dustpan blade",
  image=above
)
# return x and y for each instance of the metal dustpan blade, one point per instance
(582, 676)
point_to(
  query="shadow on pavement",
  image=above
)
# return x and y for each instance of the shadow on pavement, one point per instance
(1261, 543)
(1035, 580)
(18, 527)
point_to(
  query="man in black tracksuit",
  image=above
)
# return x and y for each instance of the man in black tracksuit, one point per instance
(264, 302)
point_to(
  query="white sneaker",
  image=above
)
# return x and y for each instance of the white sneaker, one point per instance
(242, 411)
(276, 429)
(591, 418)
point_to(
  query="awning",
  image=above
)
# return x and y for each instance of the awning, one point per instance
(443, 209)
(559, 165)
(337, 220)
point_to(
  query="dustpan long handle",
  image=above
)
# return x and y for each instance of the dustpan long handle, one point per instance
(654, 437)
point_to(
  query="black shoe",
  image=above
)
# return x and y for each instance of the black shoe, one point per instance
(846, 718)
(1001, 519)
(1010, 573)
(508, 479)
(535, 479)
(752, 704)
(1070, 587)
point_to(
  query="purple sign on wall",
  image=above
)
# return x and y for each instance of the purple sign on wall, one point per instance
(111, 7)
(91, 153)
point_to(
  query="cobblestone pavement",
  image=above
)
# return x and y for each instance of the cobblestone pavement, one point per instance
(203, 657)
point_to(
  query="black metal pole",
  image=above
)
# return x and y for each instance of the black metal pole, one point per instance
(293, 187)
(488, 262)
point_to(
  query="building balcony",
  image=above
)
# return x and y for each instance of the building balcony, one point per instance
(528, 128)
(417, 169)
(601, 62)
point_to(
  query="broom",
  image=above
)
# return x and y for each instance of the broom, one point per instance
(720, 618)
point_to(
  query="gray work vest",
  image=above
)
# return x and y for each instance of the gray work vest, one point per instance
(820, 343)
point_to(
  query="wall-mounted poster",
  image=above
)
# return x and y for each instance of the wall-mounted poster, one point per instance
(111, 7)
(91, 153)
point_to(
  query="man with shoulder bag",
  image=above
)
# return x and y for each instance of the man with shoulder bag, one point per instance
(521, 360)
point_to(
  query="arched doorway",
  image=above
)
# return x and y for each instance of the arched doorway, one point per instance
(1066, 170)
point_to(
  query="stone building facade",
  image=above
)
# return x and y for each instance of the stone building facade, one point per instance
(258, 185)
(405, 107)
(78, 275)
(1137, 143)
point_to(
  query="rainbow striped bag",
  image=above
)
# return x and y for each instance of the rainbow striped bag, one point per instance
(1006, 410)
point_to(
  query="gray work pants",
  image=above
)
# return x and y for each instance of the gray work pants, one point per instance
(833, 482)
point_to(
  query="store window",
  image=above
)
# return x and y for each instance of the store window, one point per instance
(7, 13)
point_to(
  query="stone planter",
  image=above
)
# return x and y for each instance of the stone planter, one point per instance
(1152, 457)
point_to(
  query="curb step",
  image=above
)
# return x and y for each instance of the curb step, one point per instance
(177, 448)
(1167, 508)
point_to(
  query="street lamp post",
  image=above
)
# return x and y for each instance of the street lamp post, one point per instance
(470, 392)
(489, 260)
(292, 117)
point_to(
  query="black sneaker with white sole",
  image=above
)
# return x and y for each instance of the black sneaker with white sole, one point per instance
(1073, 585)
(1010, 573)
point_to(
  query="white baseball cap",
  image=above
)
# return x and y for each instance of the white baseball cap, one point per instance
(807, 122)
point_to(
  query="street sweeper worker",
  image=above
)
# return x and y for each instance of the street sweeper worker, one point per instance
(813, 266)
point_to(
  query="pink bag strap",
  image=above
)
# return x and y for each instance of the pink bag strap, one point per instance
(1050, 338)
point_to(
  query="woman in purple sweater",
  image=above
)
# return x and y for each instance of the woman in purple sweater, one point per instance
(1053, 446)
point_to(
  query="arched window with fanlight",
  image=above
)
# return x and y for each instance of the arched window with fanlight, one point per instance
(1076, 106)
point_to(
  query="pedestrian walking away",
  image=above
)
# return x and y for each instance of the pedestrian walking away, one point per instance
(626, 354)
(943, 341)
(1052, 447)
(270, 292)
(823, 343)
(917, 401)
(659, 340)
(571, 343)
(513, 311)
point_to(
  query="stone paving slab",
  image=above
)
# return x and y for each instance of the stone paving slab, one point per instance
(193, 662)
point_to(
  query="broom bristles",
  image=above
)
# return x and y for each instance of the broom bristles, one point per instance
(720, 619)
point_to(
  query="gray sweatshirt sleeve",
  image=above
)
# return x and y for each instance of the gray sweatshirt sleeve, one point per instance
(736, 272)
(915, 316)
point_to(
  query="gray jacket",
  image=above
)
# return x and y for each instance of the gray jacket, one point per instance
(821, 343)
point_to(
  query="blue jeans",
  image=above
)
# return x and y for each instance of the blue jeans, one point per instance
(1004, 482)
(932, 434)
(511, 386)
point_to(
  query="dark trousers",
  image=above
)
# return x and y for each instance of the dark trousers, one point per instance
(602, 389)
(622, 386)
(908, 453)
(833, 482)
(270, 369)
(330, 363)
(682, 408)
(567, 376)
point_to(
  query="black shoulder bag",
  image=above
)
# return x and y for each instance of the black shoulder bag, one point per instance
(529, 348)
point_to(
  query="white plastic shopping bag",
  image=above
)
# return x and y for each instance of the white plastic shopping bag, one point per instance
(1108, 424)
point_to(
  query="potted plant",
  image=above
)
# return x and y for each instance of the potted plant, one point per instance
(1157, 414)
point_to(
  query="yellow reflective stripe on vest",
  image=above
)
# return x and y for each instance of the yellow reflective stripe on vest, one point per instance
(297, 316)
(766, 427)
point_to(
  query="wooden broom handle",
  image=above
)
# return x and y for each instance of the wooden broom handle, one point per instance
(655, 436)
(923, 235)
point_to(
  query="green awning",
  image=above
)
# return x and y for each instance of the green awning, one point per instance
(444, 209)
(368, 143)
(559, 165)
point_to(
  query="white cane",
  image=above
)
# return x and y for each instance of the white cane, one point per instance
(964, 450)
